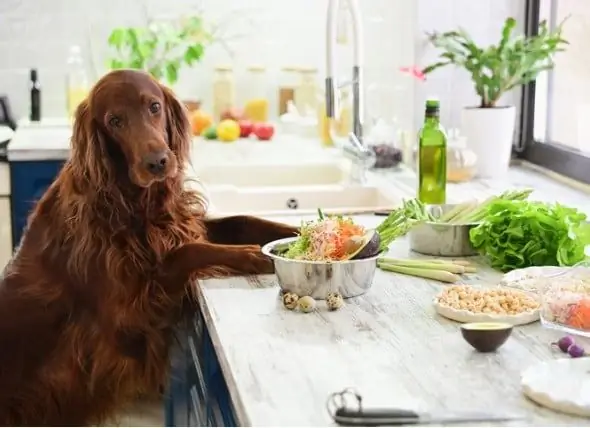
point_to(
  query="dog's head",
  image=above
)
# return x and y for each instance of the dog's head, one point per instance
(130, 124)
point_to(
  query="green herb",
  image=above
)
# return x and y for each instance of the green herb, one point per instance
(496, 69)
(162, 48)
(320, 214)
(401, 220)
(517, 234)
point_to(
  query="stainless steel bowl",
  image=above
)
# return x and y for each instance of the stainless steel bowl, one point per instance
(316, 279)
(442, 239)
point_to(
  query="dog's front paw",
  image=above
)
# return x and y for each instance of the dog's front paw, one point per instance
(255, 262)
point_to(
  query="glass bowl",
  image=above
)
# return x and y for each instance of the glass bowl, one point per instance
(565, 302)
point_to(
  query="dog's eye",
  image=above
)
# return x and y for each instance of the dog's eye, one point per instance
(115, 122)
(154, 108)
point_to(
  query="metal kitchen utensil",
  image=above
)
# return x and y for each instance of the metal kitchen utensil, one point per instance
(350, 278)
(442, 239)
(346, 408)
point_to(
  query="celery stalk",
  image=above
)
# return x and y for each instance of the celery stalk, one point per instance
(453, 213)
(424, 264)
(439, 275)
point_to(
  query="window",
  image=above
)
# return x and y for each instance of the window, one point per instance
(555, 120)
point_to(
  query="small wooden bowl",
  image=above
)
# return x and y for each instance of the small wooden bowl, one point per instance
(486, 336)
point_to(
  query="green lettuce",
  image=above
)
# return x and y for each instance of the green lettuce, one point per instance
(516, 234)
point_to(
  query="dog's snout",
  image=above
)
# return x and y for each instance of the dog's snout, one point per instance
(155, 162)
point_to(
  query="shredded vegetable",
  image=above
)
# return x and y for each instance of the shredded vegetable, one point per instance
(325, 239)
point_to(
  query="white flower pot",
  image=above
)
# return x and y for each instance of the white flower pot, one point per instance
(489, 133)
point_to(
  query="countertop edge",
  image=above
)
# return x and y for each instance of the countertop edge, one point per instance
(241, 414)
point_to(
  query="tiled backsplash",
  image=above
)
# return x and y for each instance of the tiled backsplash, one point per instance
(273, 33)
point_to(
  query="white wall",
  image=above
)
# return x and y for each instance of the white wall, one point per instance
(275, 33)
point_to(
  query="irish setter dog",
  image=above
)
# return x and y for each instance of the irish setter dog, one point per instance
(90, 300)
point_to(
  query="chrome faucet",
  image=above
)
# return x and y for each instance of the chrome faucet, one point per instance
(361, 156)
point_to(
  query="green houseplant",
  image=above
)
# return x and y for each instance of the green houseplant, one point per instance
(161, 48)
(495, 70)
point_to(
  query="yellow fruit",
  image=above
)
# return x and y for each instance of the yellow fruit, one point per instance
(228, 130)
(200, 121)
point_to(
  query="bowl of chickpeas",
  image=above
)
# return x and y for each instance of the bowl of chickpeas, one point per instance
(470, 304)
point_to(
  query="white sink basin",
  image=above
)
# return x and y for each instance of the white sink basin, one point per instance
(298, 200)
(264, 175)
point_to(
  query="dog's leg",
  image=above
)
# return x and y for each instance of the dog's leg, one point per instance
(247, 230)
(207, 258)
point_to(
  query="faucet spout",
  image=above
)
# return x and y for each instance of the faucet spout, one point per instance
(361, 156)
(332, 106)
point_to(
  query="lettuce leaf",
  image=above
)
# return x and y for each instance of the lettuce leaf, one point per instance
(518, 234)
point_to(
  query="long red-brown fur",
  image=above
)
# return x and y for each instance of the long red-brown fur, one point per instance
(90, 300)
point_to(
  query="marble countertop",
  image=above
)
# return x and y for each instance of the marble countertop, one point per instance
(389, 344)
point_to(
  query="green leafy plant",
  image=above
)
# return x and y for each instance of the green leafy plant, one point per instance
(162, 48)
(496, 69)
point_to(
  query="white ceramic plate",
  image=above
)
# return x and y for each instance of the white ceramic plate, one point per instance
(464, 316)
(562, 385)
(532, 279)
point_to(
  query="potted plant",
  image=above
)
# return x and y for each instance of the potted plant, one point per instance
(161, 48)
(495, 70)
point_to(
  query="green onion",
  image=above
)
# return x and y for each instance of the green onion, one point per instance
(439, 275)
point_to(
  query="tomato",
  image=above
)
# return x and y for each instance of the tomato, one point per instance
(264, 131)
(246, 128)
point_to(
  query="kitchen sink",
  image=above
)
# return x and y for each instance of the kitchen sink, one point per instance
(298, 200)
(265, 175)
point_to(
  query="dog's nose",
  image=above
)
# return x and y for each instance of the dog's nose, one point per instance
(156, 162)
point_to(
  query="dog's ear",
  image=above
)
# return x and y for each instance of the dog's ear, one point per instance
(179, 129)
(89, 151)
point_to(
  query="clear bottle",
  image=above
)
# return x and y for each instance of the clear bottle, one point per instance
(224, 93)
(256, 106)
(288, 82)
(432, 157)
(77, 81)
(306, 93)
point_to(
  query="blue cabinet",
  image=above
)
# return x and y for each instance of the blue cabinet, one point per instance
(200, 397)
(28, 182)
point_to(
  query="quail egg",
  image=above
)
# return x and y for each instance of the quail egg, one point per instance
(306, 304)
(334, 301)
(290, 300)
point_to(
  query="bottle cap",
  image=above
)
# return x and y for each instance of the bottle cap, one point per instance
(432, 103)
(34, 74)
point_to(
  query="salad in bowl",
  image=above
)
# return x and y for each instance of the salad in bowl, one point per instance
(333, 254)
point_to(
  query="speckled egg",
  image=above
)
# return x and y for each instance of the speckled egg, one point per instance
(334, 301)
(306, 304)
(290, 300)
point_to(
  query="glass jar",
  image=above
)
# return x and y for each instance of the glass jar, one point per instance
(287, 84)
(256, 106)
(565, 301)
(77, 82)
(306, 93)
(224, 95)
(461, 160)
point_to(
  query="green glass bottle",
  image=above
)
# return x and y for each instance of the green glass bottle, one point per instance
(432, 157)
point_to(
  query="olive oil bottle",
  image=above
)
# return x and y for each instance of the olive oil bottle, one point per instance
(432, 157)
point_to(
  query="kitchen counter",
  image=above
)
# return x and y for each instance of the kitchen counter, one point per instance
(280, 366)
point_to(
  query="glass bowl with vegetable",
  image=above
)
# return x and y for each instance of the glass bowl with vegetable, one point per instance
(333, 254)
(565, 303)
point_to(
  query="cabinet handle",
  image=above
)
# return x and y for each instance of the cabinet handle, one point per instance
(197, 364)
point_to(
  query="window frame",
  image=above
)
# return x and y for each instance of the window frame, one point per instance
(547, 154)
